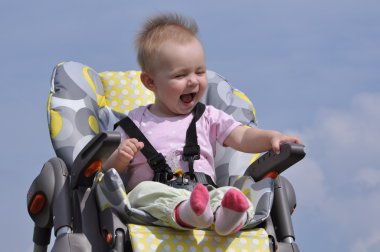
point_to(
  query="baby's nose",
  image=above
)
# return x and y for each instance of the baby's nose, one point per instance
(193, 80)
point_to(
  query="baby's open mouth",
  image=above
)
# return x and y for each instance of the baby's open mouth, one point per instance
(187, 98)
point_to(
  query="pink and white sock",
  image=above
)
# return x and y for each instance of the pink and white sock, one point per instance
(195, 212)
(232, 214)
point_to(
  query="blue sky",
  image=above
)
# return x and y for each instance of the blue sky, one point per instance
(310, 67)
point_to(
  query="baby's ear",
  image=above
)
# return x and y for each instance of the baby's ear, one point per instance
(147, 80)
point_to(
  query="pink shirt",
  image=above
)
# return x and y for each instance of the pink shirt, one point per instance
(168, 135)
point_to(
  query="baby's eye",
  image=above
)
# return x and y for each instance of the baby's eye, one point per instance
(201, 72)
(179, 76)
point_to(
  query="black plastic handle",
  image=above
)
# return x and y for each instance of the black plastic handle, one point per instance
(272, 162)
(99, 148)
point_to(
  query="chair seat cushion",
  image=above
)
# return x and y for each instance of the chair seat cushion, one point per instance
(152, 238)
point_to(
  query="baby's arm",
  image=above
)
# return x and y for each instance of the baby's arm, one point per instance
(254, 140)
(121, 157)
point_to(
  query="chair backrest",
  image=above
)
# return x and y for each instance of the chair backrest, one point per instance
(83, 103)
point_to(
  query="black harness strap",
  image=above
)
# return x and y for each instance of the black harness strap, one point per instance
(162, 172)
(192, 147)
(191, 150)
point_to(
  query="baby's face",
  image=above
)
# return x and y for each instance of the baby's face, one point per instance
(179, 78)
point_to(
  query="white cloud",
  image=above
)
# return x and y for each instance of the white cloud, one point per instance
(368, 177)
(340, 177)
(308, 176)
(370, 243)
(354, 129)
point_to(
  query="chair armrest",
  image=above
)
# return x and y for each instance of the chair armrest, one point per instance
(92, 157)
(272, 163)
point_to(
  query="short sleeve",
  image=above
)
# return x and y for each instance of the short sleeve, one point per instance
(221, 124)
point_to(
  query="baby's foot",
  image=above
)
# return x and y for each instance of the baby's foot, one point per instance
(232, 214)
(195, 212)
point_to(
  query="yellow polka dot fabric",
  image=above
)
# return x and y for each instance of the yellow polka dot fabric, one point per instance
(151, 238)
(124, 90)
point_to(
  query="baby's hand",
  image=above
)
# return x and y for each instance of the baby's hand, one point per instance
(280, 138)
(128, 149)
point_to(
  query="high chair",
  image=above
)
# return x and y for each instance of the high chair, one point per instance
(83, 107)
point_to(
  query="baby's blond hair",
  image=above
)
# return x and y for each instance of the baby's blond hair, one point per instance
(160, 29)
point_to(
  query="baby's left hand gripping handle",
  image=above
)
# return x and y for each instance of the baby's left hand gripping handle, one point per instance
(271, 164)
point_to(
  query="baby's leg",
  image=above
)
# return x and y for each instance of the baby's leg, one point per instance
(196, 211)
(232, 213)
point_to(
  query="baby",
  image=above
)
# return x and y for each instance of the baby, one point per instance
(173, 67)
